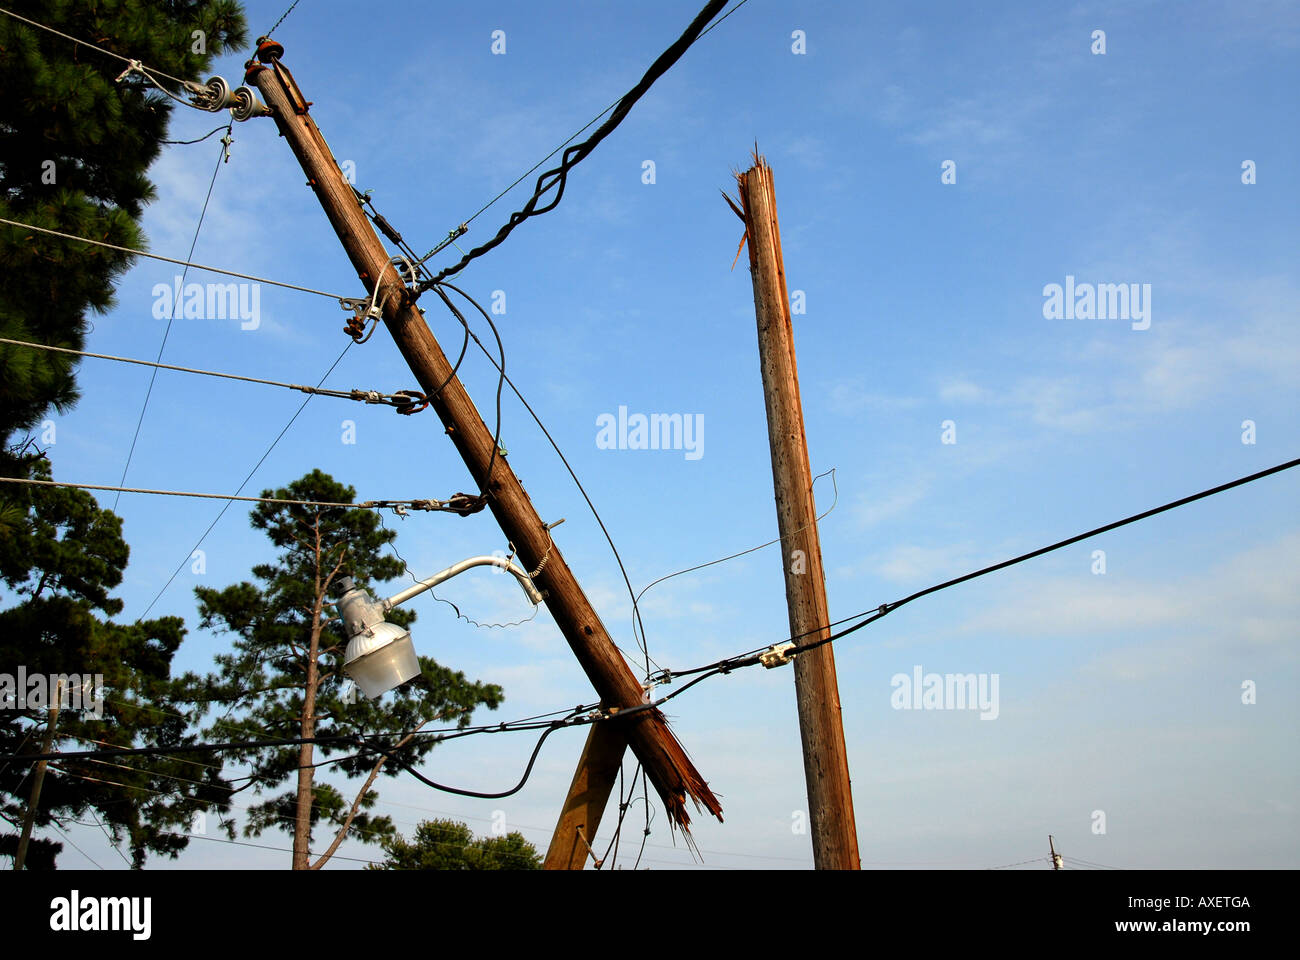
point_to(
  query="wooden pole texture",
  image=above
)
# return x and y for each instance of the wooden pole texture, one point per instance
(585, 805)
(666, 763)
(826, 766)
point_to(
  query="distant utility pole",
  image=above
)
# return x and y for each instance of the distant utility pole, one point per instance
(38, 779)
(665, 762)
(826, 765)
(1057, 859)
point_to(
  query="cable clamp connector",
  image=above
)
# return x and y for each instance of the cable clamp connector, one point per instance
(663, 677)
(365, 310)
(777, 655)
(132, 66)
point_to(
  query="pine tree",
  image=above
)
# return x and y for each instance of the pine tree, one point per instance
(62, 562)
(75, 147)
(285, 672)
(450, 845)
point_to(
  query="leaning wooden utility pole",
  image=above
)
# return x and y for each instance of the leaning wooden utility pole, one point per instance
(826, 765)
(666, 763)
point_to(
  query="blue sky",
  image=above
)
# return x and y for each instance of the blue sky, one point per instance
(1119, 692)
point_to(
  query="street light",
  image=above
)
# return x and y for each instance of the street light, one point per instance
(380, 655)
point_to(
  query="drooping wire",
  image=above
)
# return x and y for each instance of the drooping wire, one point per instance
(501, 369)
(199, 140)
(528, 770)
(701, 566)
(871, 616)
(567, 466)
(460, 616)
(572, 156)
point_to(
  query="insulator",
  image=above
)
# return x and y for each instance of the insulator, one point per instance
(244, 104)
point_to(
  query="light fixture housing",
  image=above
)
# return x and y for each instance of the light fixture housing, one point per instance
(381, 658)
(380, 655)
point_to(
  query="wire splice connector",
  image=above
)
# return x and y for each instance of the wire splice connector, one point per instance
(777, 655)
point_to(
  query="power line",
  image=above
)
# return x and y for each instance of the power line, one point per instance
(183, 263)
(130, 454)
(92, 46)
(575, 716)
(199, 140)
(1021, 863)
(74, 845)
(399, 400)
(281, 20)
(366, 505)
(222, 512)
(871, 616)
(701, 566)
(574, 155)
(560, 453)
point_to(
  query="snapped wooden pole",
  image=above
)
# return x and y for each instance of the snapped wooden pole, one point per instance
(826, 765)
(575, 832)
(666, 764)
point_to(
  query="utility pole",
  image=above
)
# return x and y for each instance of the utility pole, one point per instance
(826, 765)
(38, 780)
(584, 806)
(1057, 860)
(663, 758)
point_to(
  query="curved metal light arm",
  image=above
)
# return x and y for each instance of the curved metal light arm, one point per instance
(456, 568)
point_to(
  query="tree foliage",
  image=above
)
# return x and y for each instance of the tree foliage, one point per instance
(75, 147)
(285, 676)
(450, 845)
(61, 563)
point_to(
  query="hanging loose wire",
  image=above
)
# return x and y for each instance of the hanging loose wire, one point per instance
(572, 156)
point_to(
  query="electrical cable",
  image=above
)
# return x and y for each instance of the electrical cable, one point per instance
(567, 466)
(256, 466)
(366, 505)
(701, 566)
(871, 616)
(361, 396)
(281, 20)
(227, 127)
(501, 368)
(75, 847)
(155, 256)
(460, 616)
(171, 319)
(574, 155)
(126, 60)
(551, 728)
